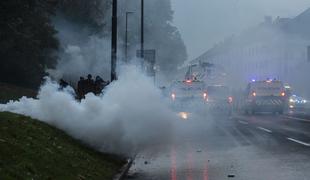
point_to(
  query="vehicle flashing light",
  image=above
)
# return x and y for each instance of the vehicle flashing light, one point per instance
(283, 94)
(287, 87)
(253, 80)
(254, 94)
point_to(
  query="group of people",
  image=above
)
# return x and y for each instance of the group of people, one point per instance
(88, 85)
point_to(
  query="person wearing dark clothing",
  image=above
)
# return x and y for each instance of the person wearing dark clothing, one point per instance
(99, 85)
(89, 84)
(63, 84)
(81, 88)
(99, 79)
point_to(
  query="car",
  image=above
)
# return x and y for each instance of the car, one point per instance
(297, 103)
(265, 96)
(219, 99)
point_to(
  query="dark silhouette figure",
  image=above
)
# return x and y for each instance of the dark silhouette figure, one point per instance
(63, 84)
(99, 85)
(81, 88)
(89, 84)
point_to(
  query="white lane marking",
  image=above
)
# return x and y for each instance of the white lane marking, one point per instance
(264, 129)
(299, 142)
(298, 119)
(243, 122)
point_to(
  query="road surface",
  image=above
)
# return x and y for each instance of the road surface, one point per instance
(259, 147)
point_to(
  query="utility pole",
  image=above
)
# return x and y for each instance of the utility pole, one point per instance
(142, 29)
(114, 41)
(126, 37)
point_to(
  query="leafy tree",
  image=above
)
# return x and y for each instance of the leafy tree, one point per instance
(90, 13)
(160, 34)
(27, 41)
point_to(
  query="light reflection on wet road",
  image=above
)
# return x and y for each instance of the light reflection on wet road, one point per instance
(240, 147)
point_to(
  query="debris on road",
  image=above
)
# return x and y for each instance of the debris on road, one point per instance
(231, 175)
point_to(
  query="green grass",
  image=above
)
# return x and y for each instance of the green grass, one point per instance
(11, 92)
(30, 149)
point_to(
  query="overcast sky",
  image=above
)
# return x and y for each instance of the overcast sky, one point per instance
(205, 22)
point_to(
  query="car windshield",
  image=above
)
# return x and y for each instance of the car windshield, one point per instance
(188, 86)
(267, 88)
(218, 91)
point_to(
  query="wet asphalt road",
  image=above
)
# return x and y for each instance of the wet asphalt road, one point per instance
(259, 147)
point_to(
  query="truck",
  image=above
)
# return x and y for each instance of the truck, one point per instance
(265, 96)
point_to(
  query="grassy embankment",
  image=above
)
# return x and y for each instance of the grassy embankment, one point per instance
(30, 149)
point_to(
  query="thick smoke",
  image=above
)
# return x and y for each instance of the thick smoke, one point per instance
(265, 51)
(222, 18)
(127, 117)
(82, 52)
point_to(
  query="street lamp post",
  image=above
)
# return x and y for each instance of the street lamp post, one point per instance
(142, 29)
(114, 41)
(126, 37)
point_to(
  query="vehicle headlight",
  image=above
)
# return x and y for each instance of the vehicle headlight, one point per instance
(183, 115)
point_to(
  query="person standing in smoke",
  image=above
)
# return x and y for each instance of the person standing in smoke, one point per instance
(99, 85)
(89, 84)
(63, 84)
(81, 88)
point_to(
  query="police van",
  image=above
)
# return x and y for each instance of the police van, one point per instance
(265, 96)
(188, 92)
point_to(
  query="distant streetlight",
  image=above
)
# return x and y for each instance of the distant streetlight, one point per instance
(126, 36)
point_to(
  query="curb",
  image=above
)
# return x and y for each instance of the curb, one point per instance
(124, 170)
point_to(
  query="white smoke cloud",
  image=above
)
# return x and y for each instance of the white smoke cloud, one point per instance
(128, 116)
(82, 59)
(82, 52)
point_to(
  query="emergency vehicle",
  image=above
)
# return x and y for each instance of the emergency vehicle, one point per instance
(265, 96)
(188, 91)
(297, 103)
